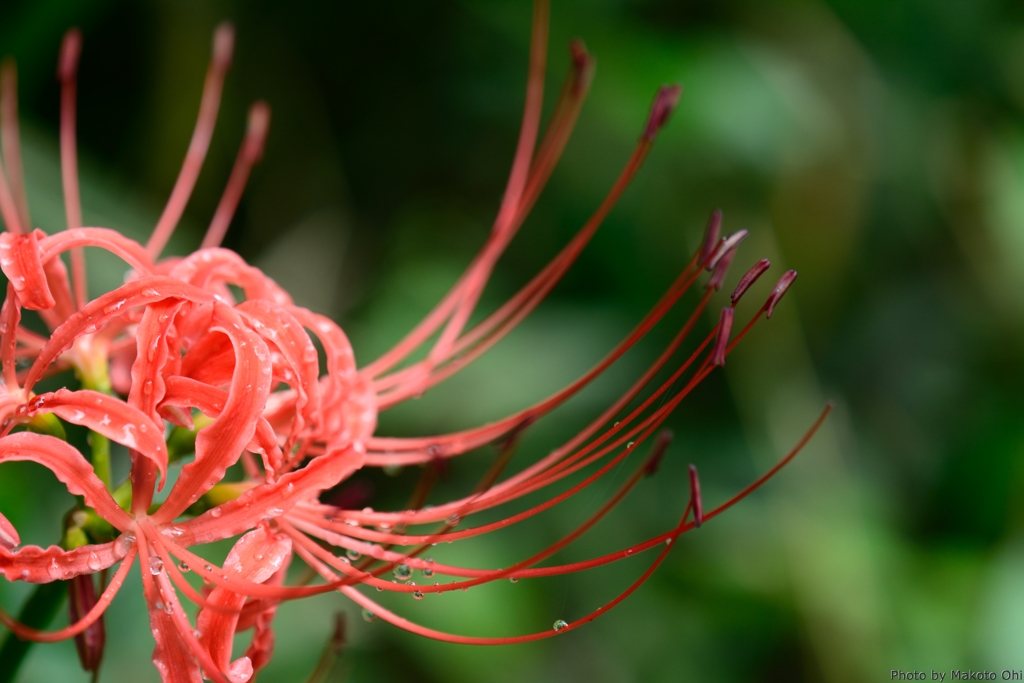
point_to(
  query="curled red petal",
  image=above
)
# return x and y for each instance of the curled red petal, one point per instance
(207, 268)
(21, 263)
(285, 333)
(97, 312)
(262, 616)
(35, 564)
(110, 240)
(60, 289)
(109, 416)
(219, 445)
(185, 392)
(256, 557)
(271, 500)
(70, 467)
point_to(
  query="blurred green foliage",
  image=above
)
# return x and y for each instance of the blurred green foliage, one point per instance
(877, 147)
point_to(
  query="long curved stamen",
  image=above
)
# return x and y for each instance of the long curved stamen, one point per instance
(248, 155)
(10, 138)
(516, 182)
(223, 45)
(484, 576)
(559, 129)
(67, 73)
(564, 259)
(405, 624)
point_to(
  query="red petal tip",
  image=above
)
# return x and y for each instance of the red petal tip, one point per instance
(698, 506)
(223, 45)
(722, 337)
(780, 288)
(70, 50)
(749, 279)
(256, 133)
(664, 103)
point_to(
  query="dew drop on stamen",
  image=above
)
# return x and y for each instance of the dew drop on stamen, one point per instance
(353, 554)
(418, 595)
(183, 567)
(513, 579)
(402, 572)
(428, 572)
(368, 615)
(559, 624)
(156, 565)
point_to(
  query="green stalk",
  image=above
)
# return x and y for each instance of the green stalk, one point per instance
(101, 458)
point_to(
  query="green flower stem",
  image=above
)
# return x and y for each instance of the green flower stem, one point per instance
(37, 612)
(48, 424)
(101, 458)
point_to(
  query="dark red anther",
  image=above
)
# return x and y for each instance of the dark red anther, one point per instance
(721, 269)
(711, 233)
(725, 246)
(780, 288)
(698, 506)
(748, 279)
(722, 337)
(658, 452)
(91, 641)
(664, 103)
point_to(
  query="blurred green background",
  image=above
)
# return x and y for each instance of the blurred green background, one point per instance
(876, 147)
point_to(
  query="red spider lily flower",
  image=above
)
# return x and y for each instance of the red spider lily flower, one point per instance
(174, 347)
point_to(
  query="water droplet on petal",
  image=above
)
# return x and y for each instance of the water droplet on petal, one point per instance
(216, 512)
